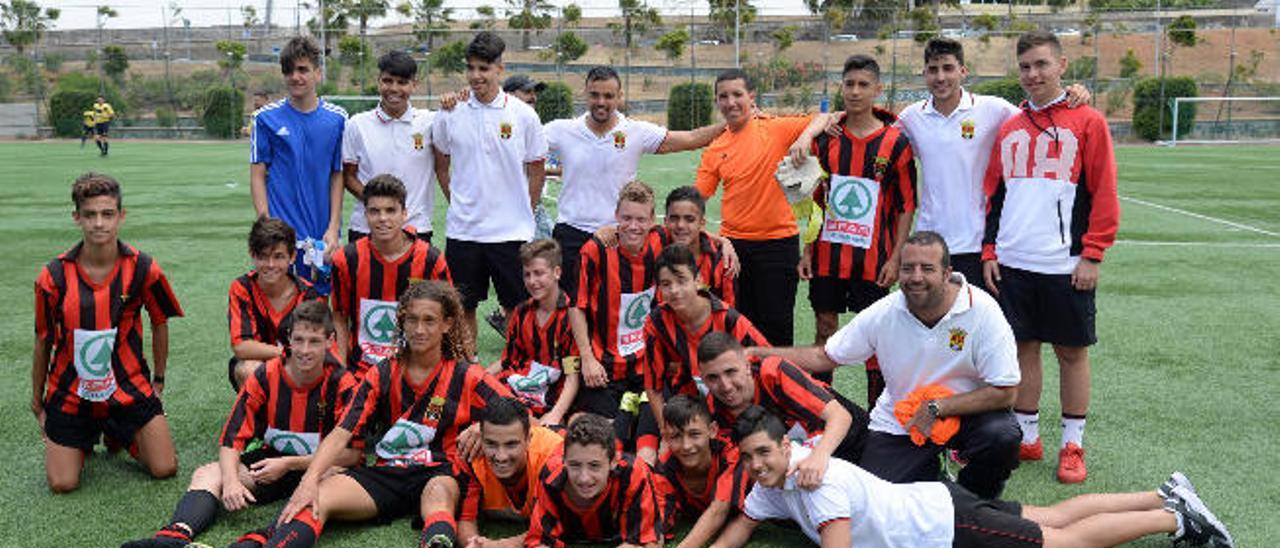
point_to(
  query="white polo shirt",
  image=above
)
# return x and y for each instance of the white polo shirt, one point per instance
(953, 152)
(971, 347)
(377, 144)
(880, 514)
(489, 145)
(597, 167)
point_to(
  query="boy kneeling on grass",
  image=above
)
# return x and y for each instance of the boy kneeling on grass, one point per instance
(270, 408)
(853, 507)
(593, 494)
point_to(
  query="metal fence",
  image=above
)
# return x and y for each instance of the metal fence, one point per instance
(798, 57)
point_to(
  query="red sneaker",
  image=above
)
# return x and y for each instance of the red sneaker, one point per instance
(1071, 467)
(1031, 451)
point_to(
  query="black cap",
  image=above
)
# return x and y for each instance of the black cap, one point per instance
(522, 83)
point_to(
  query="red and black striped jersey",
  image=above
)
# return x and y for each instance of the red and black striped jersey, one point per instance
(366, 288)
(626, 512)
(289, 417)
(95, 330)
(531, 361)
(884, 156)
(671, 350)
(727, 481)
(251, 316)
(785, 390)
(615, 291)
(713, 270)
(419, 423)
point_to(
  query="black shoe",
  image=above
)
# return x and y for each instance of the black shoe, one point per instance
(1196, 523)
(498, 321)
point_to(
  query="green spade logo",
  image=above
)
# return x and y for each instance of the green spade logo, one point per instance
(95, 354)
(636, 311)
(534, 381)
(380, 323)
(851, 198)
(291, 444)
(401, 440)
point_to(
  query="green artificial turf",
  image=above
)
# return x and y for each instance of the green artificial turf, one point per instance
(1188, 324)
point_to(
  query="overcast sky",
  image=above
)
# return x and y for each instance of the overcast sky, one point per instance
(143, 13)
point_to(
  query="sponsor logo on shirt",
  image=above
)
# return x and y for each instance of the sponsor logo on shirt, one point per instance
(283, 131)
(957, 339)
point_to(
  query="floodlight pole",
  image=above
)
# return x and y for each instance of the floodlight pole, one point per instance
(324, 55)
(737, 42)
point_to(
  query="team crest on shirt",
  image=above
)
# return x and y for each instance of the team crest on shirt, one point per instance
(435, 408)
(957, 339)
(966, 129)
(418, 141)
(504, 130)
(619, 140)
(882, 164)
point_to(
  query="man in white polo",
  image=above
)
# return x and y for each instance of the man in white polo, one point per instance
(951, 134)
(599, 154)
(395, 139)
(496, 146)
(937, 333)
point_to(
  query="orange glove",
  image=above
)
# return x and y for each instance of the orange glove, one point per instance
(943, 427)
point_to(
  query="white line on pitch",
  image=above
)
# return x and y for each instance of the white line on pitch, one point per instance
(1202, 217)
(1198, 244)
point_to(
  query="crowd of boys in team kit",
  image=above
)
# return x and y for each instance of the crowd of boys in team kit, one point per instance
(649, 375)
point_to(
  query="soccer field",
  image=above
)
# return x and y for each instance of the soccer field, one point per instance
(1188, 322)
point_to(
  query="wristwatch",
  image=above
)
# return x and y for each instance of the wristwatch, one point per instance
(933, 408)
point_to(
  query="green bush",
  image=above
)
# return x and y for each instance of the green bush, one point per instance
(65, 109)
(1009, 88)
(223, 111)
(1147, 105)
(354, 106)
(76, 93)
(166, 117)
(1130, 64)
(53, 61)
(1082, 68)
(689, 106)
(555, 102)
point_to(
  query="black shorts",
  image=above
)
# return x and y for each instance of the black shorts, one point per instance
(353, 235)
(120, 425)
(993, 523)
(828, 294)
(397, 490)
(473, 264)
(88, 129)
(969, 264)
(1044, 307)
(101, 128)
(279, 489)
(630, 424)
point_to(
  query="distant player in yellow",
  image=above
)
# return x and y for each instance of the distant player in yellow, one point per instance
(102, 116)
(88, 126)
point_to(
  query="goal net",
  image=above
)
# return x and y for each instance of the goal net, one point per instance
(1225, 120)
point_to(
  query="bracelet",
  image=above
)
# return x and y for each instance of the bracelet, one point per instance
(157, 379)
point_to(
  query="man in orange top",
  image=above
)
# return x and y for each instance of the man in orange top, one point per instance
(505, 476)
(756, 216)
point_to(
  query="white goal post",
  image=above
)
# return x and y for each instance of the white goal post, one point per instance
(1231, 135)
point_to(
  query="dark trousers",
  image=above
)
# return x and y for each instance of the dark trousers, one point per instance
(767, 286)
(854, 444)
(969, 264)
(571, 241)
(988, 441)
